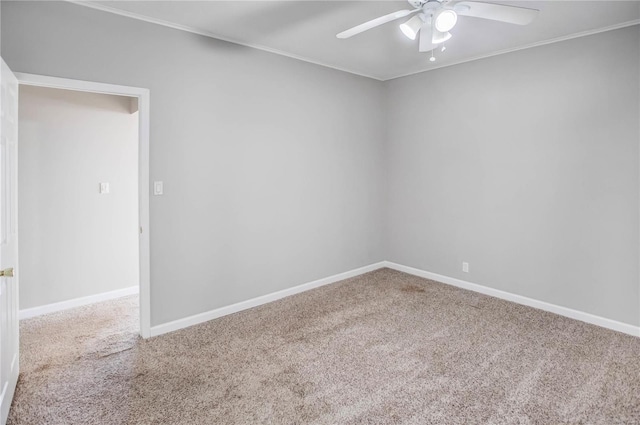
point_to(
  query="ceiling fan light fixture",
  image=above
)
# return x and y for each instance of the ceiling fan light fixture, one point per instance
(445, 20)
(411, 27)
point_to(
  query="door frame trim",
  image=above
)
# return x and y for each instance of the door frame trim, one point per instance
(143, 96)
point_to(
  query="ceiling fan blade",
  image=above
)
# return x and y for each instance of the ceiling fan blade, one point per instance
(440, 37)
(375, 22)
(496, 12)
(426, 37)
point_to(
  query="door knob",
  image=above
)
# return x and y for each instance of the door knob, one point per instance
(7, 272)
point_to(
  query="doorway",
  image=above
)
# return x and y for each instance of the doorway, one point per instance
(107, 195)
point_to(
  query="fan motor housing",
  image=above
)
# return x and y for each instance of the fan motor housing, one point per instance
(418, 4)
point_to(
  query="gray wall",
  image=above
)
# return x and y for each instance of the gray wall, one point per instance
(74, 241)
(268, 162)
(278, 172)
(524, 165)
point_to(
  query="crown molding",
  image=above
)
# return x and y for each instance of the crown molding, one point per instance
(104, 8)
(526, 46)
(192, 30)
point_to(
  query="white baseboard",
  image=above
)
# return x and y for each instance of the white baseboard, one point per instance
(254, 302)
(519, 299)
(76, 302)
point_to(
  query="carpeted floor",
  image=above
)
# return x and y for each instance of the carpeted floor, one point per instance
(382, 348)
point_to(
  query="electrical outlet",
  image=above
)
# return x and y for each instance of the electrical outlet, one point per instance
(465, 267)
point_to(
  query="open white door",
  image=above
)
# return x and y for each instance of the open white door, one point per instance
(9, 343)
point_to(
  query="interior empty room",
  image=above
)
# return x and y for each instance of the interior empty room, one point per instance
(320, 212)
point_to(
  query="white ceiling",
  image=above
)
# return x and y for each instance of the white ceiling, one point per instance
(307, 29)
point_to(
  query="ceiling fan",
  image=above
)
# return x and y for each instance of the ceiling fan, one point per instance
(434, 19)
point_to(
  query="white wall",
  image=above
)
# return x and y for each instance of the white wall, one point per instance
(74, 241)
(269, 163)
(526, 166)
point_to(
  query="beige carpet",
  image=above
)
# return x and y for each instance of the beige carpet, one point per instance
(382, 348)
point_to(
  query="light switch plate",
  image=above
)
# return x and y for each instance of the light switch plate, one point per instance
(104, 188)
(158, 188)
